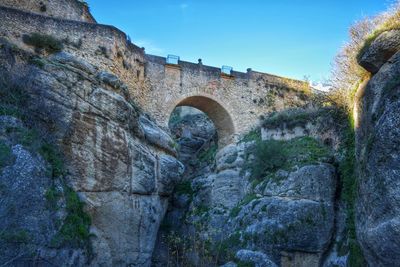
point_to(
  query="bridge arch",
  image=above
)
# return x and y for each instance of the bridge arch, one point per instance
(216, 111)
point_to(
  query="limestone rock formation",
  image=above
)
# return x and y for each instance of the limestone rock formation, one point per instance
(119, 161)
(380, 51)
(290, 219)
(378, 205)
(27, 224)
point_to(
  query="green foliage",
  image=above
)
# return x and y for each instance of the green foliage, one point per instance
(268, 157)
(227, 246)
(15, 236)
(245, 264)
(53, 156)
(200, 210)
(208, 155)
(75, 228)
(27, 137)
(37, 61)
(253, 135)
(356, 257)
(12, 98)
(184, 188)
(52, 195)
(290, 118)
(349, 193)
(303, 151)
(43, 42)
(390, 22)
(6, 156)
(246, 200)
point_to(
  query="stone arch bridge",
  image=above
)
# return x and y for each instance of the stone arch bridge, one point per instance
(234, 102)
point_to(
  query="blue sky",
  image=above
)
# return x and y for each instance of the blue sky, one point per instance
(291, 38)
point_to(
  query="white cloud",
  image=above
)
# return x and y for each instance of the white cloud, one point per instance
(150, 47)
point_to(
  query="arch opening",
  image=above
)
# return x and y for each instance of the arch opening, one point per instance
(217, 113)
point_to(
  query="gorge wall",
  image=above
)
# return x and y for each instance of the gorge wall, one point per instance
(88, 167)
(377, 148)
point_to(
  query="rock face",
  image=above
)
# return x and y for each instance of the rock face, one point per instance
(27, 224)
(285, 221)
(380, 51)
(119, 161)
(378, 150)
(294, 214)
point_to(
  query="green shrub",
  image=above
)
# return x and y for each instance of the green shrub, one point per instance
(303, 151)
(43, 42)
(268, 157)
(264, 158)
(208, 155)
(52, 195)
(246, 200)
(290, 118)
(15, 236)
(184, 187)
(227, 247)
(245, 264)
(51, 155)
(12, 98)
(253, 135)
(349, 193)
(37, 61)
(76, 225)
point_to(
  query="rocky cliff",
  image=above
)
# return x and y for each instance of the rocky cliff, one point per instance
(122, 165)
(377, 150)
(231, 209)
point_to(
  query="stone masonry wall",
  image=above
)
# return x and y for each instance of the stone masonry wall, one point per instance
(245, 96)
(66, 9)
(103, 46)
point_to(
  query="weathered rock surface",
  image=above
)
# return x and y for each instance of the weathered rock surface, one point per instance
(27, 224)
(296, 214)
(119, 161)
(289, 220)
(380, 51)
(259, 259)
(378, 150)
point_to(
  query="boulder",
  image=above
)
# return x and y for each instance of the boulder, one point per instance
(170, 172)
(314, 182)
(68, 59)
(380, 51)
(259, 259)
(125, 227)
(156, 136)
(227, 189)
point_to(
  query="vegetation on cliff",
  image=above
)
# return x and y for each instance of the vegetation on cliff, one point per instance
(37, 136)
(347, 74)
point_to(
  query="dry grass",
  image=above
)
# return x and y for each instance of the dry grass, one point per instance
(347, 74)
